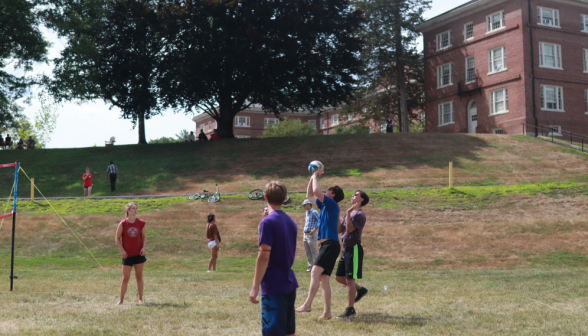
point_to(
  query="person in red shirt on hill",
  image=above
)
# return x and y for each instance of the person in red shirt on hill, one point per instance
(131, 240)
(87, 177)
(214, 135)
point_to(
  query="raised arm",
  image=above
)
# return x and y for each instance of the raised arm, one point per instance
(309, 192)
(316, 188)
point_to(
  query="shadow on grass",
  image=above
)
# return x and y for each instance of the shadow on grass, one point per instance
(379, 318)
(166, 305)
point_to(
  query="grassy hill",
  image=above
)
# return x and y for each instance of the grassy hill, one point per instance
(352, 161)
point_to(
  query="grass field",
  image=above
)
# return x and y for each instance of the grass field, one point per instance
(368, 161)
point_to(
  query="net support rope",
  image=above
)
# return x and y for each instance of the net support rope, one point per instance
(6, 207)
(63, 220)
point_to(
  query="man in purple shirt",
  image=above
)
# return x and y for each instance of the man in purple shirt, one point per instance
(273, 268)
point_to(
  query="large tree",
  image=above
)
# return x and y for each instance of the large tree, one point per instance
(225, 55)
(21, 45)
(391, 83)
(112, 54)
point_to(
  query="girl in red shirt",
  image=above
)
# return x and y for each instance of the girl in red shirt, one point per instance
(131, 240)
(87, 177)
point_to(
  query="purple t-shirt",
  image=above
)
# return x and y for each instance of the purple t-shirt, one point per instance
(279, 231)
(351, 239)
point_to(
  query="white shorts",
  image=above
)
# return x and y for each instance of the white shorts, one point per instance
(211, 244)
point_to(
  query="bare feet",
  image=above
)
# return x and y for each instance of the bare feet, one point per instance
(140, 301)
(119, 303)
(302, 309)
(326, 317)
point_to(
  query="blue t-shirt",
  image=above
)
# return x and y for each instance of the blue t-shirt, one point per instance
(328, 219)
(279, 231)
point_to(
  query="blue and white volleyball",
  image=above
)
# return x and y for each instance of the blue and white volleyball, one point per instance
(314, 166)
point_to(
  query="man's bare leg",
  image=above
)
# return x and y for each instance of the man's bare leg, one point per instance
(326, 287)
(125, 281)
(139, 277)
(315, 279)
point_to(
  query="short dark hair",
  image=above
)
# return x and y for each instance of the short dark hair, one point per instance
(210, 218)
(366, 198)
(276, 192)
(339, 194)
(111, 162)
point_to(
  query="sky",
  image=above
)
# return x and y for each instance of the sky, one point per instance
(89, 124)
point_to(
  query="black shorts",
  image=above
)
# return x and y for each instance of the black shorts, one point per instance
(327, 256)
(88, 187)
(351, 263)
(130, 261)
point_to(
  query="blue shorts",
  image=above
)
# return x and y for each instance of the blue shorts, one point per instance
(277, 314)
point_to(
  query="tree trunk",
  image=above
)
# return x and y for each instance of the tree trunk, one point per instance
(225, 123)
(141, 120)
(400, 71)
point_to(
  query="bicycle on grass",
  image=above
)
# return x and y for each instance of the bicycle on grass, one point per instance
(257, 194)
(211, 199)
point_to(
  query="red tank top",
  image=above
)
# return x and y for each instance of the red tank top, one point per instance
(131, 237)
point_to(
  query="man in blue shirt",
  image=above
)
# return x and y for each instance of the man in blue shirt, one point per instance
(328, 237)
(310, 233)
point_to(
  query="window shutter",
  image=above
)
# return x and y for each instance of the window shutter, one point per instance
(557, 57)
(540, 53)
(560, 99)
(542, 100)
(504, 58)
(449, 39)
(490, 61)
(438, 41)
(585, 51)
(488, 23)
(506, 99)
(452, 113)
(440, 114)
(438, 76)
(556, 16)
(451, 73)
(538, 14)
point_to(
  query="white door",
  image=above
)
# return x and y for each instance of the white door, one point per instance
(472, 118)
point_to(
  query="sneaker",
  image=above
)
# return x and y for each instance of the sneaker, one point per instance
(361, 293)
(309, 269)
(349, 312)
(208, 271)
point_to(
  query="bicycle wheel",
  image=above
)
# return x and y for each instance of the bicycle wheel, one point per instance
(194, 196)
(288, 199)
(255, 194)
(214, 199)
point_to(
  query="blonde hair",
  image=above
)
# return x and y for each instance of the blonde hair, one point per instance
(128, 207)
(276, 192)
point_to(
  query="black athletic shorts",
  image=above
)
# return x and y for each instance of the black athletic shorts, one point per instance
(130, 261)
(351, 263)
(327, 256)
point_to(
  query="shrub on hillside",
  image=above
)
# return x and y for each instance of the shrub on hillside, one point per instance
(352, 129)
(165, 140)
(289, 128)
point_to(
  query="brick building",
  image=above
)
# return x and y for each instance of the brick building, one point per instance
(251, 122)
(491, 65)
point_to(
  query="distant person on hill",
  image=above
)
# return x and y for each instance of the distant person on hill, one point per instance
(112, 174)
(131, 240)
(389, 126)
(214, 135)
(191, 137)
(31, 143)
(273, 268)
(20, 144)
(87, 177)
(214, 240)
(8, 141)
(202, 136)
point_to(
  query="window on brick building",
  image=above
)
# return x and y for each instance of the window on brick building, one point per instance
(468, 31)
(470, 70)
(350, 116)
(322, 123)
(270, 122)
(498, 131)
(550, 55)
(497, 60)
(312, 123)
(335, 119)
(422, 116)
(210, 125)
(552, 98)
(446, 113)
(243, 121)
(499, 101)
(444, 40)
(370, 129)
(383, 128)
(555, 130)
(202, 127)
(585, 58)
(495, 21)
(547, 16)
(585, 23)
(444, 75)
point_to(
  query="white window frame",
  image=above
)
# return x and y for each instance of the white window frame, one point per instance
(322, 123)
(490, 24)
(554, 16)
(556, 56)
(586, 101)
(242, 137)
(422, 116)
(498, 131)
(350, 116)
(585, 59)
(335, 119)
(440, 75)
(440, 39)
(559, 98)
(383, 128)
(465, 31)
(210, 125)
(202, 126)
(491, 60)
(441, 110)
(313, 123)
(370, 129)
(554, 130)
(246, 121)
(494, 102)
(584, 23)
(473, 68)
(270, 121)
